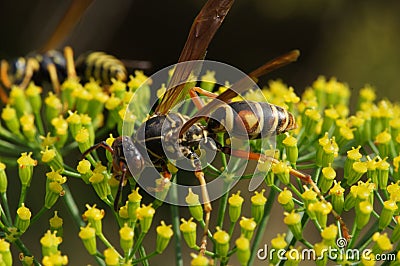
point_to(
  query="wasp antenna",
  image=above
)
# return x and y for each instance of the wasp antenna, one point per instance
(102, 144)
(69, 58)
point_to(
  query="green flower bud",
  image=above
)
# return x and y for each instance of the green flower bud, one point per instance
(389, 207)
(330, 151)
(9, 115)
(74, 123)
(194, 205)
(87, 123)
(56, 224)
(292, 151)
(293, 221)
(67, 90)
(372, 172)
(53, 106)
(358, 169)
(320, 251)
(164, 234)
(321, 210)
(243, 250)
(55, 259)
(25, 170)
(221, 242)
(326, 180)
(363, 213)
(134, 200)
(33, 94)
(383, 173)
(282, 170)
(285, 198)
(6, 256)
(257, 205)
(111, 257)
(53, 191)
(118, 88)
(311, 119)
(82, 99)
(94, 216)
(188, 229)
(23, 218)
(337, 197)
(83, 139)
(123, 213)
(50, 242)
(126, 238)
(53, 158)
(3, 178)
(145, 215)
(329, 235)
(277, 243)
(199, 260)
(382, 243)
(84, 169)
(247, 227)
(99, 181)
(19, 101)
(235, 205)
(309, 196)
(270, 179)
(27, 122)
(330, 116)
(88, 236)
(320, 149)
(382, 141)
(350, 200)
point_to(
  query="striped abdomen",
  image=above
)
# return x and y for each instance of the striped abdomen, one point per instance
(100, 66)
(251, 120)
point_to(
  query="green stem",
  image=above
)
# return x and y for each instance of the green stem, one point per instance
(39, 214)
(25, 250)
(305, 166)
(72, 207)
(71, 173)
(138, 243)
(175, 226)
(152, 254)
(142, 254)
(208, 253)
(262, 227)
(105, 241)
(39, 123)
(354, 235)
(22, 196)
(6, 208)
(222, 205)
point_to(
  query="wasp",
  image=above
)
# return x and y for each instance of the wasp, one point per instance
(181, 135)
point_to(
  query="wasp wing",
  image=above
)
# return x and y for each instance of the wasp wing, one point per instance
(242, 85)
(201, 33)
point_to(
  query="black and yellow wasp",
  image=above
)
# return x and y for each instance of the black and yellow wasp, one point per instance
(182, 135)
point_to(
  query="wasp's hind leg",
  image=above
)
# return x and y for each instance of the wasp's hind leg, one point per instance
(206, 199)
(194, 95)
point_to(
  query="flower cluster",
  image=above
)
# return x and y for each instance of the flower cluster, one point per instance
(336, 173)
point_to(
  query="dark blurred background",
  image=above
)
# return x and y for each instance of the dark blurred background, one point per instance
(356, 41)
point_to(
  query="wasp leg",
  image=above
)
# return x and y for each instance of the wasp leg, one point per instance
(51, 68)
(198, 102)
(160, 186)
(122, 180)
(102, 144)
(304, 177)
(3, 95)
(69, 59)
(206, 198)
(31, 66)
(4, 74)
